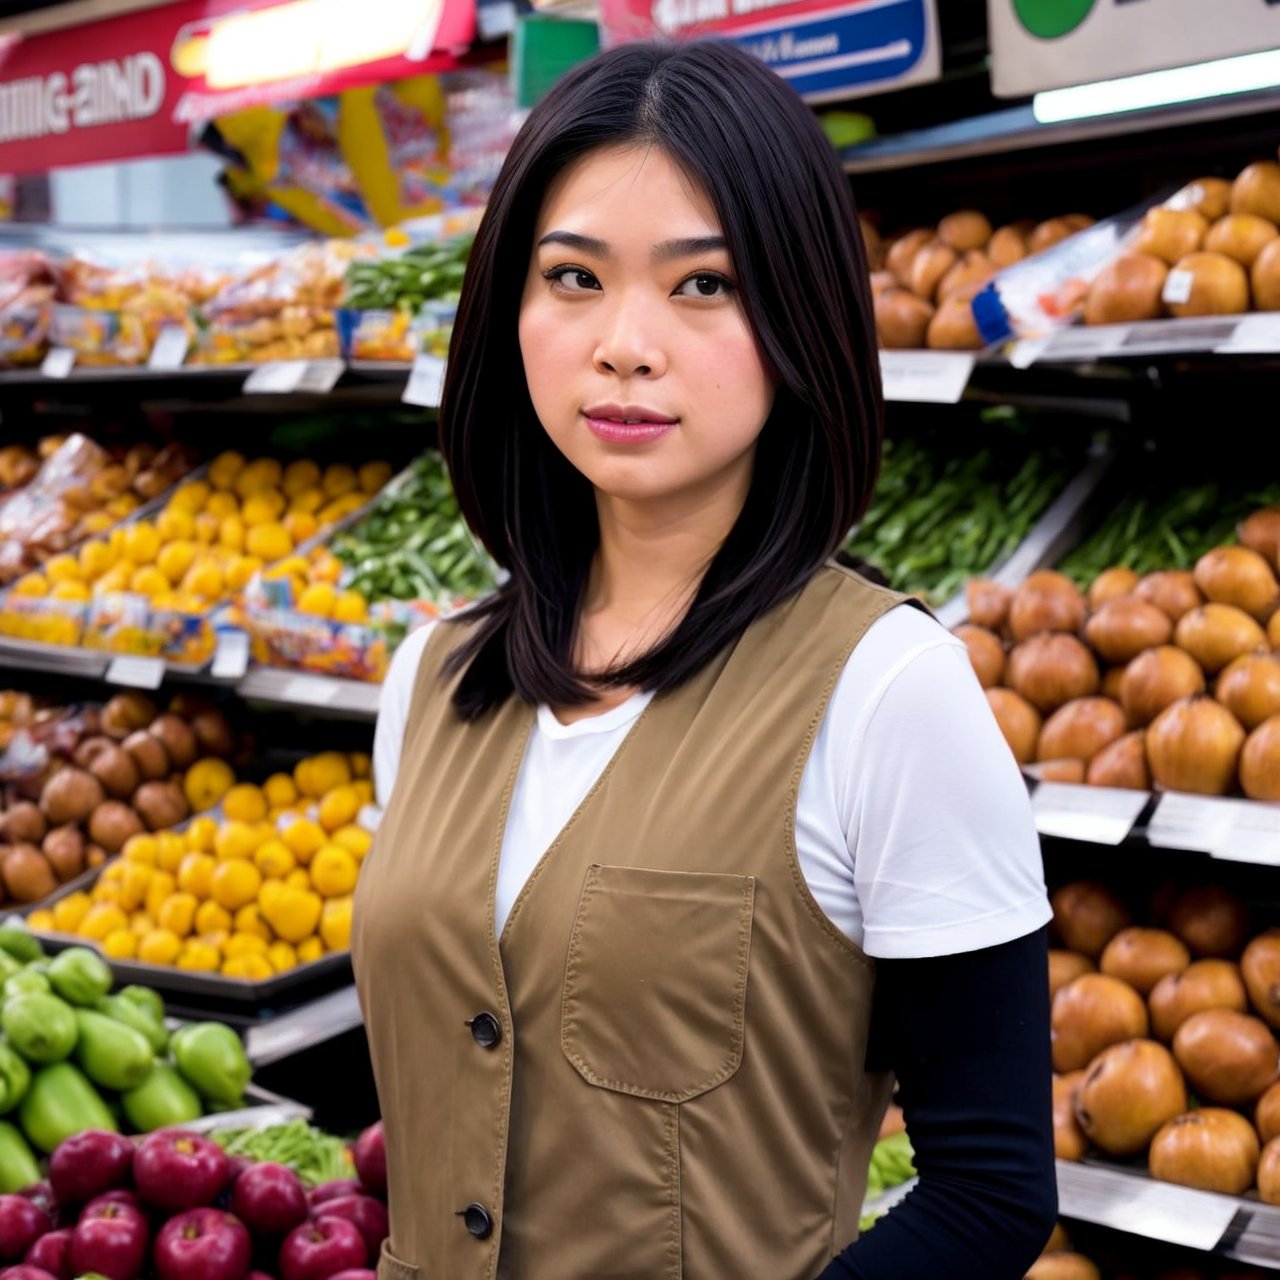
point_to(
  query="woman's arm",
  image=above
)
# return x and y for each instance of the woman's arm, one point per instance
(967, 1036)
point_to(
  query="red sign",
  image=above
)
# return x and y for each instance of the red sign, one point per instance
(134, 85)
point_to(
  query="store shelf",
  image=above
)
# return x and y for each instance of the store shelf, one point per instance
(1131, 1201)
(354, 699)
(303, 1028)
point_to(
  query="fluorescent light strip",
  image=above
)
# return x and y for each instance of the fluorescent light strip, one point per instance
(1245, 74)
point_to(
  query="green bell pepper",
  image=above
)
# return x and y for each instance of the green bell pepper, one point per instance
(8, 966)
(41, 1028)
(26, 982)
(80, 976)
(111, 1054)
(136, 1016)
(212, 1057)
(20, 943)
(18, 1167)
(15, 1077)
(163, 1100)
(60, 1102)
(146, 999)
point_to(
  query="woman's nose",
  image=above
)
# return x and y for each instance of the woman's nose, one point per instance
(630, 346)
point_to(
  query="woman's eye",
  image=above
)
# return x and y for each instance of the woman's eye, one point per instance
(572, 279)
(705, 284)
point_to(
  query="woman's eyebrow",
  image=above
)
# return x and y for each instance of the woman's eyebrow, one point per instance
(688, 247)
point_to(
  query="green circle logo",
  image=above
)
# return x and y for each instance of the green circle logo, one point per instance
(1050, 19)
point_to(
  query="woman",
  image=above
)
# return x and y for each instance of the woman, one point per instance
(674, 803)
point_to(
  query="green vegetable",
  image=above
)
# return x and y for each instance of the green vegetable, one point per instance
(110, 1053)
(60, 1102)
(9, 967)
(136, 1016)
(80, 976)
(20, 943)
(212, 1057)
(162, 1100)
(146, 999)
(41, 1028)
(315, 1156)
(15, 1078)
(25, 983)
(18, 1167)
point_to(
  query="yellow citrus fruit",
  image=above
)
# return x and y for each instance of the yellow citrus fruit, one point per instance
(178, 913)
(280, 791)
(216, 941)
(373, 475)
(350, 606)
(268, 541)
(308, 502)
(298, 879)
(339, 479)
(170, 850)
(249, 920)
(191, 496)
(354, 839)
(333, 871)
(101, 919)
(141, 848)
(71, 911)
(141, 542)
(323, 773)
(176, 558)
(112, 873)
(245, 803)
(300, 476)
(224, 469)
(199, 956)
(161, 946)
(303, 838)
(141, 924)
(236, 841)
(300, 526)
(134, 885)
(274, 859)
(32, 584)
(282, 956)
(96, 522)
(240, 571)
(176, 525)
(317, 600)
(204, 579)
(339, 807)
(261, 473)
(207, 781)
(364, 789)
(207, 527)
(200, 833)
(63, 568)
(195, 874)
(41, 921)
(162, 887)
(335, 923)
(78, 591)
(231, 533)
(293, 914)
(309, 950)
(248, 968)
(120, 945)
(361, 764)
(245, 944)
(263, 507)
(212, 917)
(148, 581)
(95, 559)
(222, 505)
(115, 579)
(107, 893)
(235, 883)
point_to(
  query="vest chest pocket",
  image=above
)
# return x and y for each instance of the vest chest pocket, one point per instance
(655, 983)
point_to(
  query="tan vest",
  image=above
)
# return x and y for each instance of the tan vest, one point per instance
(658, 1070)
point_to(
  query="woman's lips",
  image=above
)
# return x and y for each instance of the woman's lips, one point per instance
(615, 431)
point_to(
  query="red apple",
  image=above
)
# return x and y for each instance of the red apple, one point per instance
(369, 1215)
(354, 1273)
(370, 1154)
(332, 1190)
(203, 1244)
(259, 1275)
(236, 1165)
(269, 1199)
(119, 1196)
(41, 1194)
(26, 1272)
(22, 1223)
(178, 1170)
(88, 1164)
(111, 1238)
(317, 1250)
(52, 1253)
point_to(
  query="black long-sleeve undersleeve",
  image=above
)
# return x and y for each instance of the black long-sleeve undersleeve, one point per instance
(968, 1038)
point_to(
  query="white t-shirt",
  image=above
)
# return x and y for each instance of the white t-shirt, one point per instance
(913, 826)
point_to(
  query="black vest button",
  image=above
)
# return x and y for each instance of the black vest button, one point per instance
(477, 1221)
(486, 1030)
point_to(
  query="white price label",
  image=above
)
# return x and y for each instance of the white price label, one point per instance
(1083, 342)
(1099, 815)
(309, 691)
(321, 376)
(276, 377)
(1177, 287)
(426, 382)
(1254, 335)
(231, 657)
(59, 363)
(137, 673)
(926, 377)
(1184, 821)
(169, 351)
(1254, 834)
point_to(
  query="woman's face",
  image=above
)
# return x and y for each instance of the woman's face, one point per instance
(639, 360)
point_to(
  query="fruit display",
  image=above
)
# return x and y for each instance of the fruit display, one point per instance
(80, 489)
(1211, 249)
(263, 886)
(76, 1056)
(423, 273)
(945, 509)
(79, 782)
(1164, 1036)
(924, 279)
(1166, 679)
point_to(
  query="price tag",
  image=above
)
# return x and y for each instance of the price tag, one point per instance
(1181, 821)
(1083, 342)
(169, 351)
(276, 377)
(1177, 287)
(137, 673)
(426, 382)
(321, 376)
(309, 691)
(1254, 834)
(926, 377)
(1254, 335)
(58, 363)
(1173, 336)
(231, 657)
(1100, 815)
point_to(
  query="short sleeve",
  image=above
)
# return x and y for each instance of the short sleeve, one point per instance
(945, 850)
(393, 710)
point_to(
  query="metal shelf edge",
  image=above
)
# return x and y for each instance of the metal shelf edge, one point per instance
(303, 1028)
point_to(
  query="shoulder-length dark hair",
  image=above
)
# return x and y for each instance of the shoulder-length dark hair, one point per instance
(788, 216)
